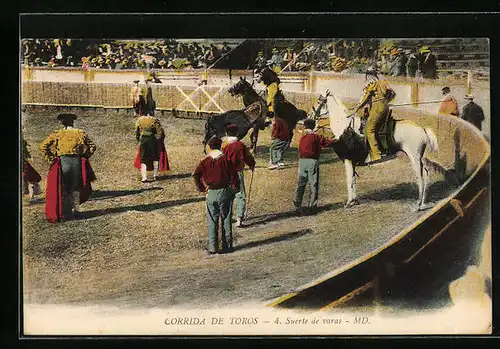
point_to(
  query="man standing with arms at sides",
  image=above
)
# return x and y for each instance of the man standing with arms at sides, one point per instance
(429, 64)
(147, 132)
(411, 64)
(213, 176)
(472, 112)
(238, 154)
(448, 104)
(138, 99)
(281, 137)
(68, 182)
(150, 102)
(309, 151)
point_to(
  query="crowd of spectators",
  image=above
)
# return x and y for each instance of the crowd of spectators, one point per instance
(353, 57)
(333, 56)
(162, 54)
(349, 56)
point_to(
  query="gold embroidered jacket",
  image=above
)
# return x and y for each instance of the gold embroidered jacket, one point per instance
(374, 91)
(147, 126)
(67, 141)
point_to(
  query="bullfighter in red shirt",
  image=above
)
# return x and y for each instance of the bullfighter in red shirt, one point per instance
(309, 151)
(238, 154)
(281, 136)
(213, 175)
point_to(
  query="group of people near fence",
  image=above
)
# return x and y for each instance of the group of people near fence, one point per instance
(471, 112)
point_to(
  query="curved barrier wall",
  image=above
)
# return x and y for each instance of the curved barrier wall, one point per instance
(452, 224)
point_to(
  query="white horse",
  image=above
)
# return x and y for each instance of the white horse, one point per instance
(409, 138)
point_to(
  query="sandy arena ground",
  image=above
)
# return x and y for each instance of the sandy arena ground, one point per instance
(142, 245)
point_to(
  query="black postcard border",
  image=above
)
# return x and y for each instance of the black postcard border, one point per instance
(243, 25)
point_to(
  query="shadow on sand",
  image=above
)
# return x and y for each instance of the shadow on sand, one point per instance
(274, 239)
(142, 208)
(404, 191)
(107, 194)
(263, 219)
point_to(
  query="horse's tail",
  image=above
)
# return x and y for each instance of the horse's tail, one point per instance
(431, 140)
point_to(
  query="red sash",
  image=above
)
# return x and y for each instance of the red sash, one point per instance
(163, 165)
(88, 176)
(53, 194)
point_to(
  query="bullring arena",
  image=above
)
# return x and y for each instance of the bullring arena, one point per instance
(142, 245)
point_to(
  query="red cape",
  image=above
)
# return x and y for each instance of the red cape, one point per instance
(163, 165)
(53, 195)
(30, 175)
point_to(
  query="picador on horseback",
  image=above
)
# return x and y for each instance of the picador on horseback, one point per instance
(376, 97)
(285, 115)
(255, 116)
(271, 80)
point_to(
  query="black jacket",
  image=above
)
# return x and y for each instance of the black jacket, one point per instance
(473, 113)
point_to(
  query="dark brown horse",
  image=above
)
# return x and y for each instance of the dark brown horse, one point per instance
(252, 117)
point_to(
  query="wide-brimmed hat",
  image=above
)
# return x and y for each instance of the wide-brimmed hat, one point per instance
(425, 49)
(136, 81)
(66, 116)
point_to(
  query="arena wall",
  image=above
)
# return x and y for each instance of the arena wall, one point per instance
(114, 86)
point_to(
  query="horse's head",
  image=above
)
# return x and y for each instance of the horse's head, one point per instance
(240, 87)
(340, 116)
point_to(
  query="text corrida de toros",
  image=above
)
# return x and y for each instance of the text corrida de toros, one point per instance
(212, 321)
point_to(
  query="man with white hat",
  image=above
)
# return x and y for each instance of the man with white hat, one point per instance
(472, 112)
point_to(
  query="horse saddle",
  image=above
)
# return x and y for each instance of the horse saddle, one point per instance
(254, 111)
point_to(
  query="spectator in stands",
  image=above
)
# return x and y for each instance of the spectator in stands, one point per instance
(260, 61)
(472, 112)
(411, 64)
(350, 50)
(393, 65)
(340, 49)
(398, 66)
(449, 103)
(225, 48)
(277, 60)
(428, 67)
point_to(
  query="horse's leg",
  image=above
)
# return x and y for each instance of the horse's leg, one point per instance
(350, 175)
(204, 146)
(425, 177)
(253, 139)
(418, 168)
